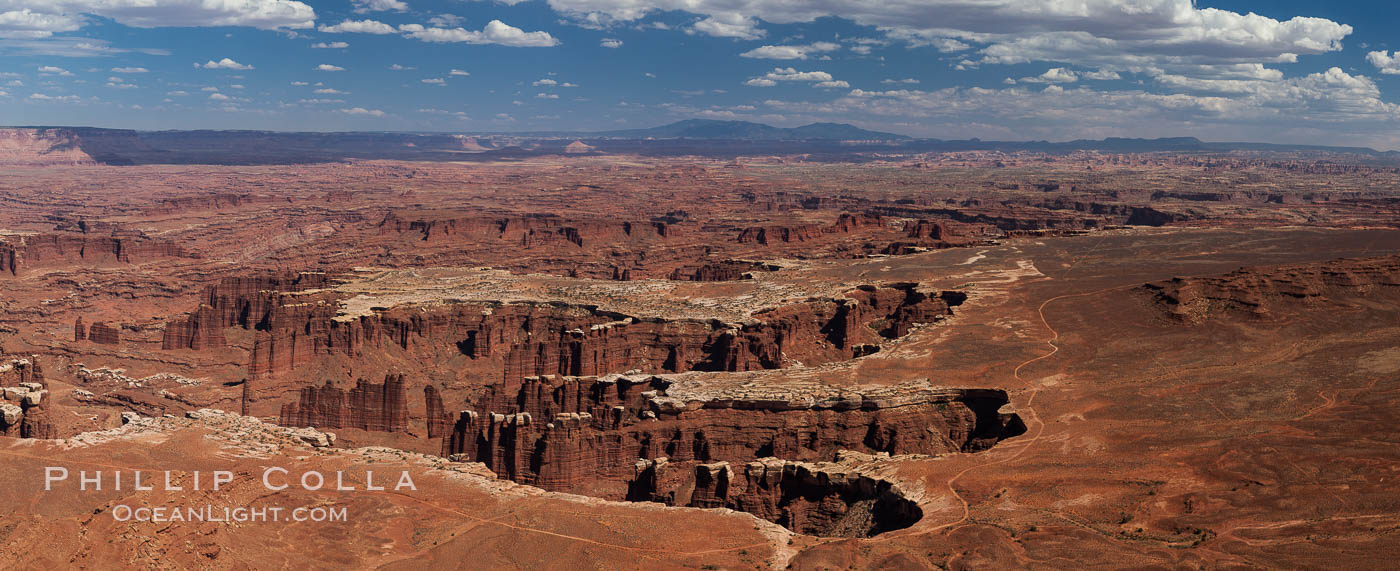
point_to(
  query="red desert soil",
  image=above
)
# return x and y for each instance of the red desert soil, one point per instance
(623, 362)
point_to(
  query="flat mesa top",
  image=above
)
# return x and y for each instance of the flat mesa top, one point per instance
(732, 302)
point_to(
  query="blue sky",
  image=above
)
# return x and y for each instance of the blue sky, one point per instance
(1278, 71)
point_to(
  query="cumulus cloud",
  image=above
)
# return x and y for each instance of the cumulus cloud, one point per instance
(610, 43)
(43, 97)
(1107, 34)
(495, 32)
(1311, 108)
(358, 27)
(218, 97)
(329, 91)
(330, 45)
(34, 20)
(329, 67)
(1053, 75)
(819, 78)
(362, 111)
(1385, 62)
(546, 96)
(831, 84)
(446, 20)
(54, 70)
(435, 81)
(790, 52)
(908, 81)
(130, 70)
(729, 25)
(225, 63)
(458, 72)
(545, 82)
(362, 6)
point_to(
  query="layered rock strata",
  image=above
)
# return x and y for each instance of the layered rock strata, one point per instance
(1254, 291)
(646, 438)
(504, 341)
(24, 402)
(585, 434)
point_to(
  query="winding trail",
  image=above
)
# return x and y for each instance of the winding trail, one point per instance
(1027, 408)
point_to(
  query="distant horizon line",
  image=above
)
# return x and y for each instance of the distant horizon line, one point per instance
(568, 134)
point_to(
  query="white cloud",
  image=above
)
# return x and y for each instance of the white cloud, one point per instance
(120, 84)
(546, 96)
(730, 25)
(544, 82)
(446, 20)
(1101, 75)
(329, 67)
(397, 67)
(362, 6)
(907, 81)
(42, 97)
(54, 70)
(329, 91)
(330, 45)
(434, 111)
(1117, 35)
(458, 72)
(21, 19)
(435, 81)
(822, 78)
(1385, 62)
(130, 70)
(495, 32)
(790, 52)
(1053, 75)
(362, 111)
(831, 84)
(319, 101)
(1320, 108)
(225, 63)
(610, 43)
(358, 27)
(218, 97)
(300, 83)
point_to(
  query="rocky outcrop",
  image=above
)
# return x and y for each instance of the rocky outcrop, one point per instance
(79, 330)
(102, 333)
(845, 224)
(203, 329)
(20, 371)
(24, 402)
(585, 435)
(514, 340)
(1254, 292)
(726, 270)
(828, 500)
(381, 407)
(42, 147)
(439, 424)
(19, 254)
(524, 232)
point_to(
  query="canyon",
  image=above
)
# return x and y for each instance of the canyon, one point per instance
(915, 359)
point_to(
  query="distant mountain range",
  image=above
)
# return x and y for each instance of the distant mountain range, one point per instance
(38, 146)
(750, 131)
